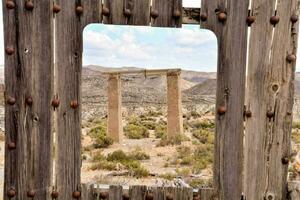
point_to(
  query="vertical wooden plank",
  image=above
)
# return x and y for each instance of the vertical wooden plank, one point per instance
(270, 99)
(116, 12)
(87, 191)
(91, 12)
(158, 193)
(232, 51)
(169, 13)
(293, 191)
(140, 12)
(115, 192)
(68, 81)
(206, 194)
(183, 193)
(28, 85)
(137, 192)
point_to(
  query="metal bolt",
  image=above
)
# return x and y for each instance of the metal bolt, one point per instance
(29, 5)
(274, 20)
(177, 14)
(79, 10)
(294, 18)
(104, 195)
(74, 104)
(29, 101)
(55, 103)
(250, 20)
(54, 194)
(196, 198)
(222, 17)
(11, 101)
(11, 145)
(169, 197)
(203, 17)
(31, 193)
(248, 113)
(76, 195)
(285, 160)
(291, 58)
(154, 14)
(56, 8)
(125, 196)
(9, 50)
(11, 193)
(149, 196)
(221, 110)
(270, 114)
(127, 12)
(105, 11)
(10, 4)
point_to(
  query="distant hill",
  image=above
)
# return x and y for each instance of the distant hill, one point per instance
(207, 87)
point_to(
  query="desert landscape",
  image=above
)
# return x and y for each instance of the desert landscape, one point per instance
(146, 155)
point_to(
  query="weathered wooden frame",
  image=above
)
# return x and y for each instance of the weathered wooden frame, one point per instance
(33, 93)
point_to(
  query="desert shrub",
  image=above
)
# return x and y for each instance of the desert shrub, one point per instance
(203, 156)
(184, 172)
(175, 140)
(139, 155)
(183, 151)
(98, 133)
(201, 183)
(136, 169)
(150, 125)
(203, 124)
(133, 131)
(105, 165)
(204, 136)
(195, 114)
(98, 156)
(152, 113)
(160, 131)
(168, 176)
(296, 125)
(295, 136)
(118, 155)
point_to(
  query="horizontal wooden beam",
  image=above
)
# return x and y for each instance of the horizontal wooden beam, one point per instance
(143, 71)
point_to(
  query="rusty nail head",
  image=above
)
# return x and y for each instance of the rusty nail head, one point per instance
(55, 103)
(154, 14)
(29, 101)
(177, 14)
(79, 10)
(31, 193)
(291, 58)
(196, 198)
(11, 145)
(74, 104)
(54, 194)
(11, 101)
(222, 17)
(285, 160)
(294, 18)
(125, 196)
(76, 194)
(149, 196)
(10, 4)
(29, 5)
(270, 114)
(221, 110)
(203, 17)
(11, 193)
(169, 197)
(127, 12)
(56, 8)
(248, 113)
(103, 195)
(9, 50)
(105, 11)
(274, 20)
(250, 20)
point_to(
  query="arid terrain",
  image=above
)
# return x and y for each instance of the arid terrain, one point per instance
(145, 155)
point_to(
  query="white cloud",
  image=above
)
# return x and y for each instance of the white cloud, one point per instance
(192, 3)
(192, 37)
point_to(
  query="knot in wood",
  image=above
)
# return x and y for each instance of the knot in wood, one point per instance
(203, 17)
(11, 145)
(54, 194)
(294, 18)
(11, 101)
(127, 12)
(29, 101)
(291, 58)
(9, 51)
(11, 193)
(177, 14)
(29, 5)
(105, 11)
(31, 193)
(125, 196)
(149, 196)
(154, 14)
(104, 195)
(274, 20)
(250, 20)
(76, 195)
(56, 8)
(222, 17)
(10, 4)
(79, 10)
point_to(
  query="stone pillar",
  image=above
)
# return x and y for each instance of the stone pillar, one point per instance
(114, 108)
(175, 121)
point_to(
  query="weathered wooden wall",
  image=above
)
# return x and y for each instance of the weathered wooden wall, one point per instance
(30, 98)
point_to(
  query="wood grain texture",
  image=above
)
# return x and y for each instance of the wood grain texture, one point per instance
(166, 9)
(87, 192)
(206, 193)
(115, 192)
(68, 78)
(137, 192)
(232, 46)
(28, 73)
(116, 12)
(92, 12)
(270, 89)
(140, 12)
